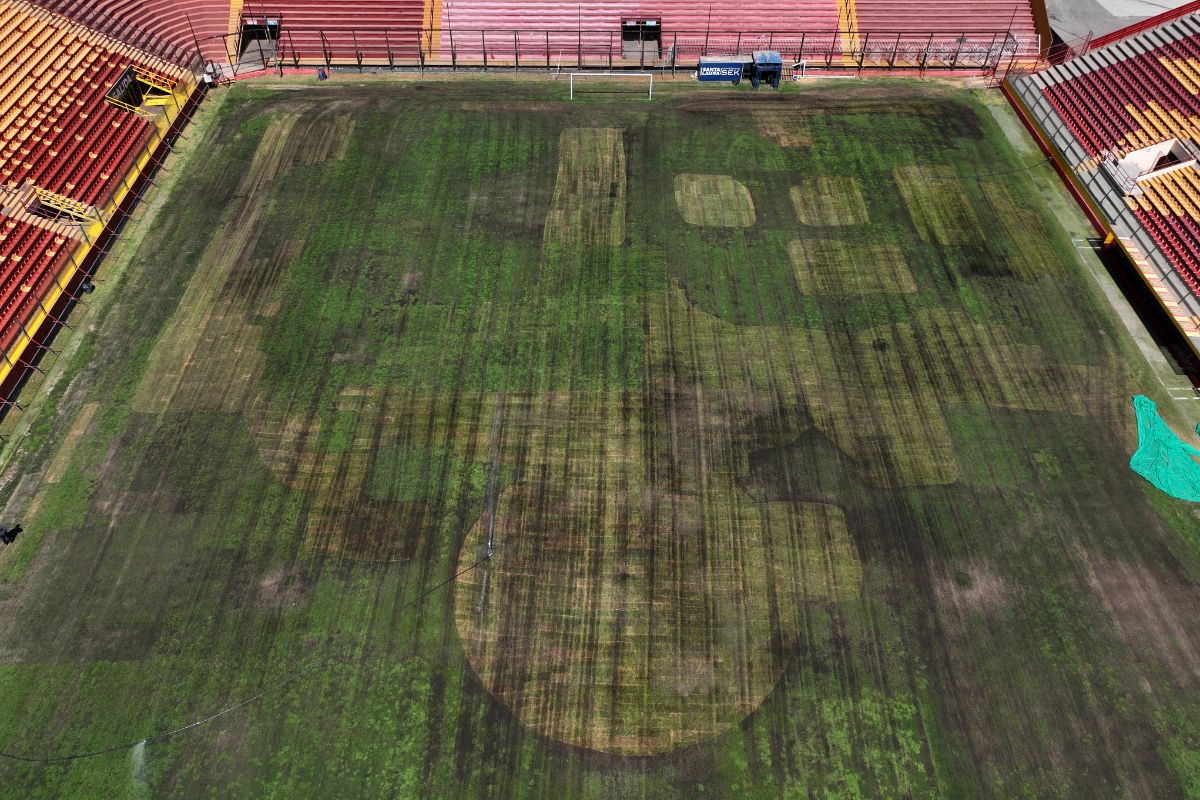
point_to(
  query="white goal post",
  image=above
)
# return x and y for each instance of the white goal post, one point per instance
(583, 75)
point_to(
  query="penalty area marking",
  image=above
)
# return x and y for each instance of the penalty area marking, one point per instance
(581, 75)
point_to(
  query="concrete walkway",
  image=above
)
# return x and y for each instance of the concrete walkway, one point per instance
(1072, 19)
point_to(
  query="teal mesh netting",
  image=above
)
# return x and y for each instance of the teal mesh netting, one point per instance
(1163, 458)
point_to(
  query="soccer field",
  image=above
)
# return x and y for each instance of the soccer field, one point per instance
(727, 445)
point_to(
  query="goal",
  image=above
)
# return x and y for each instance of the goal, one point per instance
(612, 82)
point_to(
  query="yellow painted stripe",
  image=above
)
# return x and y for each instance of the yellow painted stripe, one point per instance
(848, 23)
(235, 15)
(431, 40)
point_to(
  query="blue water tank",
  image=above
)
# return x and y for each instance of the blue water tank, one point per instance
(767, 68)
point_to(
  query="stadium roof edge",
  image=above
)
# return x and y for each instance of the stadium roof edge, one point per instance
(1144, 25)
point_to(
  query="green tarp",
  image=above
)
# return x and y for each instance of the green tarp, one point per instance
(1163, 458)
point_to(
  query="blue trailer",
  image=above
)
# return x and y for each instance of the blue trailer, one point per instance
(765, 66)
(728, 69)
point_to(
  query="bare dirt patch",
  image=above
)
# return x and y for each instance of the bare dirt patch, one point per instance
(828, 200)
(1153, 613)
(970, 588)
(714, 200)
(324, 138)
(282, 588)
(410, 288)
(788, 127)
(589, 193)
(514, 106)
(940, 210)
(66, 450)
(839, 267)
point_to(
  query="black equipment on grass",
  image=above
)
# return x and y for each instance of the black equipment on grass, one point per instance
(767, 68)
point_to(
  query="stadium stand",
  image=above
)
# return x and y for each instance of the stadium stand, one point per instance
(1133, 93)
(862, 18)
(1122, 122)
(672, 17)
(369, 28)
(389, 31)
(943, 19)
(31, 258)
(385, 31)
(673, 14)
(168, 28)
(83, 116)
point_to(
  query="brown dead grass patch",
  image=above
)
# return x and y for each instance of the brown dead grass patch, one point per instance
(714, 200)
(828, 200)
(988, 366)
(569, 626)
(66, 450)
(343, 519)
(589, 193)
(839, 267)
(324, 138)
(975, 590)
(788, 127)
(582, 622)
(181, 354)
(877, 403)
(1153, 613)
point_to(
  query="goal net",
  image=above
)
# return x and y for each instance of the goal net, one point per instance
(611, 83)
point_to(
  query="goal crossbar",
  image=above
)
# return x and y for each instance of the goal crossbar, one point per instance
(581, 75)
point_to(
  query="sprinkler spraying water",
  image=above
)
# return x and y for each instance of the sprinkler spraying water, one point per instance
(139, 783)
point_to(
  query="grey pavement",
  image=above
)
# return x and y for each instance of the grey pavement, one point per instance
(1073, 19)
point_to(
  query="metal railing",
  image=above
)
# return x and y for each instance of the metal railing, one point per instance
(330, 46)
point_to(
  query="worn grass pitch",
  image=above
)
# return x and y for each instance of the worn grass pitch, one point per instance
(816, 496)
(841, 267)
(940, 210)
(829, 200)
(714, 200)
